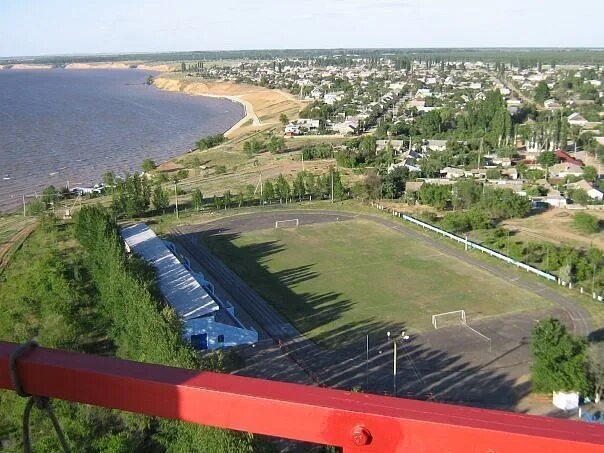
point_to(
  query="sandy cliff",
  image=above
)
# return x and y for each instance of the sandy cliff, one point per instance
(263, 106)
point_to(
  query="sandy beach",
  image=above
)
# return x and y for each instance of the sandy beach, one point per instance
(263, 106)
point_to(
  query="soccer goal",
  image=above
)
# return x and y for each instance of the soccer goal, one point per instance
(458, 318)
(450, 318)
(291, 223)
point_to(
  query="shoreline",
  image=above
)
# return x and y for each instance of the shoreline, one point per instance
(142, 65)
(262, 106)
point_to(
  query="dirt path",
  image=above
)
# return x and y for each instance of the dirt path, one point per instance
(13, 243)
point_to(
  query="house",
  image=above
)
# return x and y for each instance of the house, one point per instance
(551, 104)
(434, 145)
(511, 173)
(563, 170)
(345, 127)
(397, 145)
(567, 158)
(453, 173)
(592, 192)
(576, 119)
(310, 124)
(292, 129)
(332, 98)
(208, 322)
(553, 198)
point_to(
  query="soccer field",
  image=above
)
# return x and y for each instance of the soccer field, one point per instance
(336, 282)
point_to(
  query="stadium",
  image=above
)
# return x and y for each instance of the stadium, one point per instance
(358, 301)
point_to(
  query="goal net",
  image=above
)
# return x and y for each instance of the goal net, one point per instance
(291, 223)
(450, 318)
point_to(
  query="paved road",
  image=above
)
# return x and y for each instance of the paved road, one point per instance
(448, 365)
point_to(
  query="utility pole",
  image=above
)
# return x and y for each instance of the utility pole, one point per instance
(23, 205)
(176, 193)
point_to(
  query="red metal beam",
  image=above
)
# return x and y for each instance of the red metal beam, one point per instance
(356, 421)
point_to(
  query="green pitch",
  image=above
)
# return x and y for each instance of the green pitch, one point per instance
(336, 282)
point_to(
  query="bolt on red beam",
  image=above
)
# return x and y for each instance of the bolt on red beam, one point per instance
(356, 421)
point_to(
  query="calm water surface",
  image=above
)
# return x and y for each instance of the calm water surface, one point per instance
(59, 126)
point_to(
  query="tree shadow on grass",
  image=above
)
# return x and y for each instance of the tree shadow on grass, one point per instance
(338, 356)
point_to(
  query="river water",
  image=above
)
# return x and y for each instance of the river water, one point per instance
(70, 126)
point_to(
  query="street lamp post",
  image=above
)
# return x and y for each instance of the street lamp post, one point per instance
(404, 337)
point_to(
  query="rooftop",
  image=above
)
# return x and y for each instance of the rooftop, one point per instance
(181, 290)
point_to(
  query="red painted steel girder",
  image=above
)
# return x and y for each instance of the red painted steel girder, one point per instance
(356, 421)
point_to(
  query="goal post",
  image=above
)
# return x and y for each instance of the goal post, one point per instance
(458, 318)
(448, 318)
(290, 223)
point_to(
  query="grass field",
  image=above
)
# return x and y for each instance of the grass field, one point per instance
(335, 282)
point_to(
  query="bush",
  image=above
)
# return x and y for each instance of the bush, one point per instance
(210, 141)
(220, 169)
(148, 165)
(586, 223)
(182, 174)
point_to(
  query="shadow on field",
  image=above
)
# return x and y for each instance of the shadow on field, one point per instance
(338, 357)
(306, 311)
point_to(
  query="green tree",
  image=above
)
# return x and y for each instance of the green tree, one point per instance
(579, 196)
(148, 165)
(542, 92)
(50, 195)
(268, 192)
(227, 199)
(160, 198)
(559, 359)
(590, 173)
(283, 119)
(547, 159)
(109, 179)
(210, 141)
(298, 187)
(197, 199)
(132, 196)
(282, 189)
(35, 207)
(275, 144)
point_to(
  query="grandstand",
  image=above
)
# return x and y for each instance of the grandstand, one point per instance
(208, 322)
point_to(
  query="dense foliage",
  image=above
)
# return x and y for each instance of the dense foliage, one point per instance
(560, 359)
(210, 141)
(131, 196)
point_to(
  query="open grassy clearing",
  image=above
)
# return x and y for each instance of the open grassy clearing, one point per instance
(349, 275)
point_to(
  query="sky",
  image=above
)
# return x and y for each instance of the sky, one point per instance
(48, 27)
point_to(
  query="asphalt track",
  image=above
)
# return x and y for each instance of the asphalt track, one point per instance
(444, 364)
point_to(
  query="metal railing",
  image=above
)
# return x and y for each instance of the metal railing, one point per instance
(357, 422)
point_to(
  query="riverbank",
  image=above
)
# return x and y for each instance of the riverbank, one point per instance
(147, 66)
(263, 106)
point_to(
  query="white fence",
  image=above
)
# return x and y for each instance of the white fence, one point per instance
(470, 245)
(473, 245)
